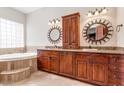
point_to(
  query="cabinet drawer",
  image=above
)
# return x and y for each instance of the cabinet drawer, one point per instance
(48, 53)
(82, 56)
(43, 53)
(54, 54)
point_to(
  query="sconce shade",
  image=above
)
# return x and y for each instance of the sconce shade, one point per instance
(96, 12)
(54, 22)
(104, 11)
(49, 23)
(89, 14)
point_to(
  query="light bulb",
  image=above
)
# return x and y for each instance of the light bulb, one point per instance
(53, 22)
(89, 14)
(96, 12)
(104, 11)
(57, 21)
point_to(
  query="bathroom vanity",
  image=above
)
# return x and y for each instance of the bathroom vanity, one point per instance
(101, 67)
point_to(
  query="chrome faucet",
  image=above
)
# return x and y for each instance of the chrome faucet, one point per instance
(55, 46)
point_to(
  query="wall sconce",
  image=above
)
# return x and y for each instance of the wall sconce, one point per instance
(118, 27)
(54, 22)
(97, 12)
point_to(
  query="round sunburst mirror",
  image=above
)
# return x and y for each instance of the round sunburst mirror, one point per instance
(97, 31)
(54, 34)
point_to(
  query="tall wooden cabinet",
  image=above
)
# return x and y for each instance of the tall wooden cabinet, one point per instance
(71, 31)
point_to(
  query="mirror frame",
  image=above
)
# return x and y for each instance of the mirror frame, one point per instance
(103, 22)
(60, 34)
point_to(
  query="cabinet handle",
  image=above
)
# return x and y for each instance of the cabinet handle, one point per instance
(115, 76)
(49, 58)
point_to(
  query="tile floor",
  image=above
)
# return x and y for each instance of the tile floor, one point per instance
(41, 78)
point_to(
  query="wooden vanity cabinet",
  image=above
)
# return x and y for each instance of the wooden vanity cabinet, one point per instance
(48, 61)
(82, 66)
(116, 70)
(96, 68)
(92, 68)
(66, 63)
(99, 69)
(43, 61)
(71, 31)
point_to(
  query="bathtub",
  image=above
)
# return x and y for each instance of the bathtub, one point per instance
(17, 66)
(17, 56)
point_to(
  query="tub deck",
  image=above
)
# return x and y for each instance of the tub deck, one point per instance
(17, 56)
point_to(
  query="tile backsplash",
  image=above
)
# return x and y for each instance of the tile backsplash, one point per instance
(12, 50)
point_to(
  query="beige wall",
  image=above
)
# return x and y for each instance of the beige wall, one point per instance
(11, 14)
(37, 24)
(120, 20)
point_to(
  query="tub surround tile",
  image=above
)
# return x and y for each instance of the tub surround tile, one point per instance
(33, 48)
(14, 75)
(12, 50)
(13, 71)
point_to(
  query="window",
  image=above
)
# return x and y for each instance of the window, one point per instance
(11, 34)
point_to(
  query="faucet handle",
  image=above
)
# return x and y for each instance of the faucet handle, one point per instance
(55, 46)
(90, 46)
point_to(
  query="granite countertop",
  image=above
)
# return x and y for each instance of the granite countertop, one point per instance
(92, 50)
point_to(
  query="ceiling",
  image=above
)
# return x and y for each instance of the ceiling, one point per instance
(26, 10)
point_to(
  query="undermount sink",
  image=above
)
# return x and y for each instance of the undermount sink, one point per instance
(90, 49)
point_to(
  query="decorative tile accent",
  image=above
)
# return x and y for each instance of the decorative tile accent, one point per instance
(12, 71)
(12, 50)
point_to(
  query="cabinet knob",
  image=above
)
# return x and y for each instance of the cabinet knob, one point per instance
(115, 67)
(114, 76)
(49, 58)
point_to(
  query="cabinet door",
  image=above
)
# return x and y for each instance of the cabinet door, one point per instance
(82, 66)
(44, 63)
(116, 70)
(99, 69)
(66, 28)
(66, 64)
(74, 32)
(54, 64)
